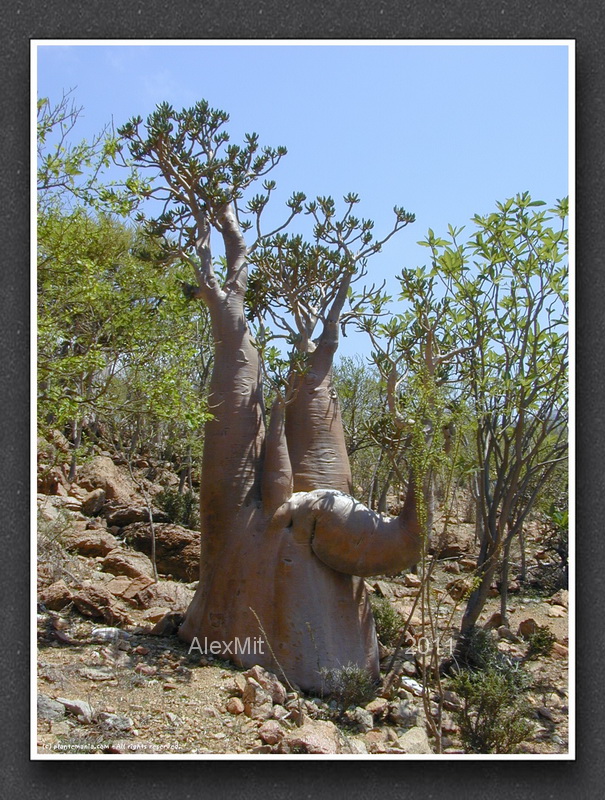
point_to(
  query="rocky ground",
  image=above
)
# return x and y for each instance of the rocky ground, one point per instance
(114, 678)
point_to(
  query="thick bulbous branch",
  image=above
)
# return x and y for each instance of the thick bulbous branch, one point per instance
(276, 483)
(350, 538)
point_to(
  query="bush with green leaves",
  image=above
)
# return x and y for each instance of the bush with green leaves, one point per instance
(181, 507)
(540, 643)
(387, 620)
(350, 685)
(494, 717)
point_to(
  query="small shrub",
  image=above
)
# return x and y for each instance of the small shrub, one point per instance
(386, 619)
(350, 685)
(182, 509)
(540, 643)
(53, 560)
(494, 714)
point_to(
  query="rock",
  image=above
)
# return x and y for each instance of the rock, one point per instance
(157, 614)
(383, 589)
(54, 507)
(169, 624)
(234, 705)
(404, 713)
(115, 722)
(363, 719)
(412, 581)
(118, 585)
(132, 564)
(504, 632)
(236, 684)
(412, 686)
(79, 708)
(527, 628)
(170, 593)
(458, 540)
(269, 682)
(97, 673)
(257, 700)
(271, 732)
(49, 708)
(60, 728)
(139, 591)
(378, 707)
(451, 701)
(109, 634)
(468, 564)
(375, 740)
(356, 746)
(52, 480)
(561, 598)
(494, 622)
(91, 542)
(453, 567)
(102, 473)
(556, 611)
(279, 712)
(315, 736)
(56, 596)
(93, 502)
(457, 589)
(415, 741)
(177, 548)
(546, 713)
(98, 603)
(121, 515)
(560, 650)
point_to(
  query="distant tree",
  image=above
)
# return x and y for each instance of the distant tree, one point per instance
(117, 343)
(507, 302)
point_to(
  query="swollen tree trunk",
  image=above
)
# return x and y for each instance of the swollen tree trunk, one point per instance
(284, 545)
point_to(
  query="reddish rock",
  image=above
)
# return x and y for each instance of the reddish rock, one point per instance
(122, 562)
(102, 473)
(91, 542)
(257, 701)
(234, 705)
(271, 732)
(561, 598)
(156, 614)
(494, 622)
(269, 682)
(123, 514)
(415, 741)
(378, 707)
(314, 736)
(93, 502)
(457, 589)
(98, 603)
(177, 549)
(527, 628)
(56, 596)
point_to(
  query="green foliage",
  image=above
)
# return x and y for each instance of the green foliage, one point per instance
(182, 508)
(387, 620)
(118, 344)
(494, 715)
(540, 643)
(350, 685)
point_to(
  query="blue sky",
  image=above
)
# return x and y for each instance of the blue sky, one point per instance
(443, 130)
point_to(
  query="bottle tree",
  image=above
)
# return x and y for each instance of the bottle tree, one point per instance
(284, 544)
